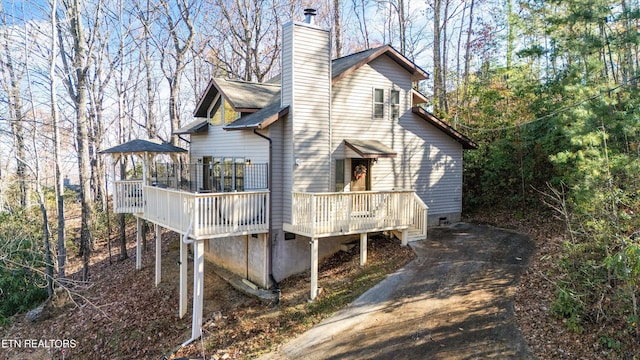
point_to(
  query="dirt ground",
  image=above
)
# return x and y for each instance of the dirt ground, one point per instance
(121, 314)
(455, 301)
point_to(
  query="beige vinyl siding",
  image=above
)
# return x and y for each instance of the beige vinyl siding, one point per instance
(222, 143)
(286, 76)
(276, 133)
(428, 161)
(311, 108)
(285, 148)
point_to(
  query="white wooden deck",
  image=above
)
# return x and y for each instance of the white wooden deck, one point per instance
(201, 215)
(316, 215)
(319, 215)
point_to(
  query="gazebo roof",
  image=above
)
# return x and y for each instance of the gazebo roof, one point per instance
(138, 146)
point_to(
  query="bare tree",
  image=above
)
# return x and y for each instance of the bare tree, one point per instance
(437, 65)
(145, 13)
(337, 27)
(76, 62)
(181, 33)
(12, 84)
(248, 39)
(55, 121)
(359, 9)
(467, 53)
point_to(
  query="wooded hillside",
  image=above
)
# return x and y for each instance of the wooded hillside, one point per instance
(547, 88)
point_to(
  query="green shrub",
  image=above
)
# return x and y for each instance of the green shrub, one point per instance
(20, 291)
(22, 285)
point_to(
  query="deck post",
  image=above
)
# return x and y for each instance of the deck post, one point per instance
(183, 279)
(405, 237)
(158, 253)
(138, 243)
(314, 268)
(363, 249)
(198, 288)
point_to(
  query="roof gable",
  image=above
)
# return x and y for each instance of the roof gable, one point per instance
(441, 125)
(346, 65)
(137, 146)
(243, 96)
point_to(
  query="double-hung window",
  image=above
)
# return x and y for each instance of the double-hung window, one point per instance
(394, 104)
(378, 103)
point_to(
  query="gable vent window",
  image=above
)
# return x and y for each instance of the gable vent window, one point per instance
(378, 103)
(394, 104)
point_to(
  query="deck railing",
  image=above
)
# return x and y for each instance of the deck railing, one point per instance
(329, 214)
(127, 197)
(419, 225)
(211, 214)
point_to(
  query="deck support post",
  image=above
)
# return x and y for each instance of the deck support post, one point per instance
(363, 249)
(138, 243)
(158, 253)
(405, 237)
(183, 279)
(314, 268)
(198, 289)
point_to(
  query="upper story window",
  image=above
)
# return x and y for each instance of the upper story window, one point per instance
(394, 104)
(223, 114)
(378, 103)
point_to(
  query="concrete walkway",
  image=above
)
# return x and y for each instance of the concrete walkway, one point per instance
(453, 302)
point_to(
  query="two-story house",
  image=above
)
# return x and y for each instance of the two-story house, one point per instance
(284, 172)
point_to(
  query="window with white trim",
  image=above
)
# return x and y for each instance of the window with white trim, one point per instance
(394, 104)
(378, 103)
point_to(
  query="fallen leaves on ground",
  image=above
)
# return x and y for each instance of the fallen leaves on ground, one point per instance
(121, 314)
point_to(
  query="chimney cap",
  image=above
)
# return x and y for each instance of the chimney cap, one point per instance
(309, 15)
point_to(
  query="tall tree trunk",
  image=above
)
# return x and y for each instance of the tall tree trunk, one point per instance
(337, 26)
(402, 27)
(16, 114)
(181, 48)
(152, 128)
(444, 103)
(458, 57)
(362, 20)
(77, 87)
(55, 119)
(467, 55)
(35, 170)
(437, 66)
(122, 226)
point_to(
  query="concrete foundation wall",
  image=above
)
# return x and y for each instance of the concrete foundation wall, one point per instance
(231, 253)
(291, 257)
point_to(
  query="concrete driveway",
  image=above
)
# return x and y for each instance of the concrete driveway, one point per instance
(453, 302)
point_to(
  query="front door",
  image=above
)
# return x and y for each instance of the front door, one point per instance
(360, 180)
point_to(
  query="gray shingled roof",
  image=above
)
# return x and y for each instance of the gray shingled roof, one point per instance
(242, 95)
(340, 65)
(370, 148)
(142, 146)
(248, 95)
(260, 118)
(345, 63)
(444, 127)
(194, 127)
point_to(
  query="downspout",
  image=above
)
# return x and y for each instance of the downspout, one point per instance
(276, 286)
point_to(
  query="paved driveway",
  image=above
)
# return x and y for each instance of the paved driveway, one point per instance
(453, 302)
